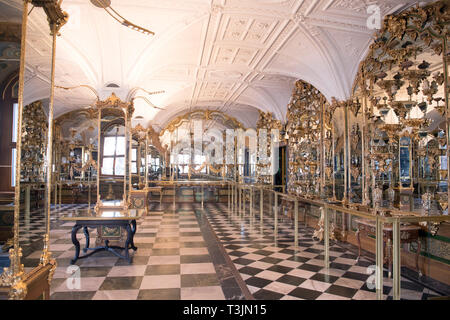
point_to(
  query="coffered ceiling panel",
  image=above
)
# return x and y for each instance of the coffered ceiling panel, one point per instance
(236, 56)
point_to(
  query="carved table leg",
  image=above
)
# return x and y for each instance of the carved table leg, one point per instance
(133, 231)
(76, 243)
(86, 234)
(127, 242)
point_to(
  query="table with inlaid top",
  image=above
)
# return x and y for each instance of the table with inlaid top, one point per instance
(111, 217)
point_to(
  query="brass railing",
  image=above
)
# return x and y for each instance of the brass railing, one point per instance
(237, 204)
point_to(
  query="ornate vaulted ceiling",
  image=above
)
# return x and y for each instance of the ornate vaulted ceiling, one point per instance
(235, 56)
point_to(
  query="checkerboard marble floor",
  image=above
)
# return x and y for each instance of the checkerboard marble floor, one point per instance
(273, 268)
(172, 262)
(176, 259)
(32, 227)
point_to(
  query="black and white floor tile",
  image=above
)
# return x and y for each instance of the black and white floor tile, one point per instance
(178, 257)
(273, 268)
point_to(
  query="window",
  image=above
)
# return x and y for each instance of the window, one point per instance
(15, 123)
(142, 166)
(183, 161)
(199, 160)
(252, 162)
(153, 163)
(134, 160)
(13, 168)
(114, 155)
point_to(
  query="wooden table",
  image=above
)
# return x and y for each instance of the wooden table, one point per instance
(106, 217)
(408, 234)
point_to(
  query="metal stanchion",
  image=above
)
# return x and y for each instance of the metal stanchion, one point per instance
(89, 196)
(233, 193)
(243, 202)
(396, 258)
(56, 193)
(304, 216)
(27, 200)
(240, 200)
(244, 205)
(275, 215)
(235, 198)
(174, 195)
(296, 223)
(228, 196)
(231, 198)
(251, 201)
(271, 200)
(326, 238)
(261, 206)
(379, 258)
(203, 195)
(261, 210)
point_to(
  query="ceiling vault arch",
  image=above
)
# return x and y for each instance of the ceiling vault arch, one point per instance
(231, 56)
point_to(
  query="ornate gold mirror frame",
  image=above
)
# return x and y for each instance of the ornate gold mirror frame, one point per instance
(169, 137)
(14, 279)
(114, 104)
(309, 135)
(267, 122)
(140, 135)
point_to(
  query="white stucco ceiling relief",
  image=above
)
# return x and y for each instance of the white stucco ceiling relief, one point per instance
(235, 56)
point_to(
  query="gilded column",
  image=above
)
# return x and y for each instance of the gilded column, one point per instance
(446, 59)
(46, 255)
(322, 149)
(146, 159)
(128, 156)
(16, 269)
(99, 153)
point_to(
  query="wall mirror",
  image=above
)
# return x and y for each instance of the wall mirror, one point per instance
(75, 156)
(10, 60)
(338, 147)
(31, 264)
(405, 167)
(113, 151)
(142, 162)
(37, 117)
(155, 162)
(138, 158)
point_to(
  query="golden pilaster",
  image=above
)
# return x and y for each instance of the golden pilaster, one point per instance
(46, 254)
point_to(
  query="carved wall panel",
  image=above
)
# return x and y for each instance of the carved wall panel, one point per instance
(34, 133)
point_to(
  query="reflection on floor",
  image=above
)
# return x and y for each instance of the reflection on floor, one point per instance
(172, 262)
(195, 253)
(275, 269)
